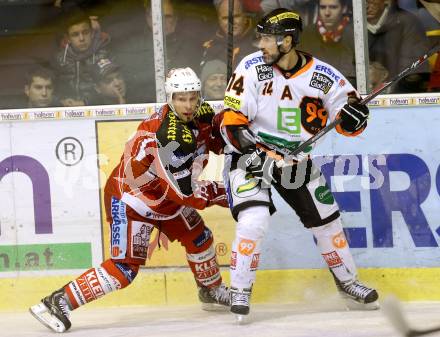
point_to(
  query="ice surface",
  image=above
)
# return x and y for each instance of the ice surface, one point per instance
(190, 321)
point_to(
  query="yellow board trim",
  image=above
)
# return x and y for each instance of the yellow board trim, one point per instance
(152, 288)
(435, 32)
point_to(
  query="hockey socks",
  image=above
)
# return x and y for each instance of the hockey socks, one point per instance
(97, 282)
(334, 248)
(245, 256)
(205, 267)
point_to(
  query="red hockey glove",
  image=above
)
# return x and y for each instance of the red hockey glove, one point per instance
(215, 193)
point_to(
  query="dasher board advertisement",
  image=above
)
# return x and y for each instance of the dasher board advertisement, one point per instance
(49, 192)
(387, 184)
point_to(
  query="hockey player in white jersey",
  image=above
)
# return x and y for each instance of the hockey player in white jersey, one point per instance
(277, 98)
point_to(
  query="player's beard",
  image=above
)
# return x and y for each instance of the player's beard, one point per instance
(271, 59)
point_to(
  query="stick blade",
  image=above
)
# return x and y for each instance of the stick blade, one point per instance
(392, 309)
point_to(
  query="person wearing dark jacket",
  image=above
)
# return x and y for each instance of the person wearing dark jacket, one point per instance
(39, 89)
(81, 47)
(110, 87)
(396, 39)
(331, 39)
(217, 46)
(132, 47)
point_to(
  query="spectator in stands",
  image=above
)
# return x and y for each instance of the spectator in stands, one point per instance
(81, 47)
(214, 80)
(181, 42)
(169, 16)
(67, 100)
(331, 39)
(428, 13)
(217, 46)
(132, 47)
(434, 80)
(424, 10)
(39, 88)
(432, 15)
(396, 39)
(109, 84)
(377, 74)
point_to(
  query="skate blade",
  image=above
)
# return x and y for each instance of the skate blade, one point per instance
(351, 304)
(42, 313)
(214, 307)
(242, 319)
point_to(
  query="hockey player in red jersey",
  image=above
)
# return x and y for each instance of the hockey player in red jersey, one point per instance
(155, 185)
(276, 99)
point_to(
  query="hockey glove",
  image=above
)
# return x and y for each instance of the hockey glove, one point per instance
(217, 195)
(259, 165)
(354, 117)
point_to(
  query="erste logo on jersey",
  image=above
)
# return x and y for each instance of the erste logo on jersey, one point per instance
(252, 61)
(264, 72)
(321, 82)
(329, 71)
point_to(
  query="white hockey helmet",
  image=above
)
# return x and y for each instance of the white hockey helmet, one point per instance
(181, 80)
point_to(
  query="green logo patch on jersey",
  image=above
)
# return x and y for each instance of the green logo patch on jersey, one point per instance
(289, 120)
(251, 184)
(323, 195)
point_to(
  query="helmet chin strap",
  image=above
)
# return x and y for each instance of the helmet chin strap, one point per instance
(171, 106)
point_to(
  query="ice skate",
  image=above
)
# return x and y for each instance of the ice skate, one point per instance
(53, 311)
(214, 299)
(357, 296)
(240, 302)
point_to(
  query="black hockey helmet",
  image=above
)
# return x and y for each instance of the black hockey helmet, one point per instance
(281, 21)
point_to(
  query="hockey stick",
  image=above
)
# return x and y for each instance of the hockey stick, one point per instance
(366, 99)
(392, 309)
(230, 37)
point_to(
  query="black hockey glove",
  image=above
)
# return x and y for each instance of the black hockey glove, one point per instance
(259, 165)
(354, 117)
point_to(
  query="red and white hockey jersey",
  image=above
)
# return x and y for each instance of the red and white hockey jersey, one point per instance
(158, 171)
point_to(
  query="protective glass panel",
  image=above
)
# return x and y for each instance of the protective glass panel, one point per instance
(399, 32)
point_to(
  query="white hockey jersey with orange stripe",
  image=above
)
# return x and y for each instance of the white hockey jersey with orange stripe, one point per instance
(284, 110)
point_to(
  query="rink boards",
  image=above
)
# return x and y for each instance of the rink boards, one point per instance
(387, 182)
